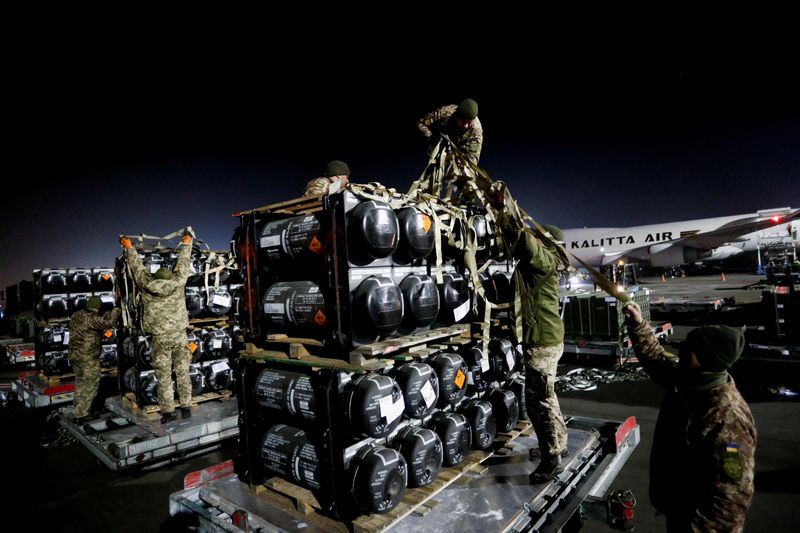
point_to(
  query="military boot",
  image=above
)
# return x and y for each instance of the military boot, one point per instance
(169, 417)
(546, 471)
(186, 412)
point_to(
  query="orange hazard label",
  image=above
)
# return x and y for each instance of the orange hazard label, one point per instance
(320, 318)
(460, 377)
(107, 333)
(426, 222)
(315, 246)
(192, 347)
(108, 276)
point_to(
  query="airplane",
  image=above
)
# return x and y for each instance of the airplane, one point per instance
(689, 241)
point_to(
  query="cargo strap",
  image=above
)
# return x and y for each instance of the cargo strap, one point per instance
(484, 181)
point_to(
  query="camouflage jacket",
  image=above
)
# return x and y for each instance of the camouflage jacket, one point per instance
(85, 328)
(443, 121)
(702, 460)
(163, 299)
(322, 184)
(536, 283)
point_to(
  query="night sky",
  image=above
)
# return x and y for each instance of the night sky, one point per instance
(148, 140)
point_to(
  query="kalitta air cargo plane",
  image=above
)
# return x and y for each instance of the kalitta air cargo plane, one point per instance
(689, 241)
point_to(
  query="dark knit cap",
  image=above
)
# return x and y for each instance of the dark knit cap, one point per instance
(467, 109)
(94, 303)
(336, 168)
(716, 347)
(554, 231)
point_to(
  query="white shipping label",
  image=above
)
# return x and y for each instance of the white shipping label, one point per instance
(391, 411)
(107, 299)
(428, 395)
(461, 311)
(219, 367)
(484, 364)
(510, 360)
(470, 379)
(268, 242)
(221, 299)
(154, 268)
(216, 343)
(56, 338)
(278, 309)
(66, 337)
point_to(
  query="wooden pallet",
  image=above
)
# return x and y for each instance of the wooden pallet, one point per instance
(295, 351)
(365, 352)
(112, 371)
(219, 321)
(129, 402)
(296, 206)
(415, 500)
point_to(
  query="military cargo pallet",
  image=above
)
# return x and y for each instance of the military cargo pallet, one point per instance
(129, 400)
(415, 500)
(488, 495)
(122, 439)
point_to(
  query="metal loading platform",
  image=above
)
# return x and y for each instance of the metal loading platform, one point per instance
(493, 495)
(123, 438)
(36, 390)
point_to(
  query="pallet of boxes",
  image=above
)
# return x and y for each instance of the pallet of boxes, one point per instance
(57, 294)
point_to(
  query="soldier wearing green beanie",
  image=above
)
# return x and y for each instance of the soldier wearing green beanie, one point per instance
(702, 460)
(460, 123)
(336, 177)
(85, 328)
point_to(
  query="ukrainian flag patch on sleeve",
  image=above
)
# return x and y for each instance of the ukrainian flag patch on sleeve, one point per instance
(731, 461)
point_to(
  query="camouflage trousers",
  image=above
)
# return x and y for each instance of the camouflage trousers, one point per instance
(540, 396)
(171, 352)
(87, 381)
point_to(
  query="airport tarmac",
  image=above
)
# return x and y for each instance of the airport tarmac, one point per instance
(65, 488)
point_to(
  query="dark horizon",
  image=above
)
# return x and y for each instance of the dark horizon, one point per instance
(151, 151)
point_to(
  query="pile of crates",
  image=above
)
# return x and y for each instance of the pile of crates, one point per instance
(333, 281)
(58, 293)
(211, 293)
(599, 316)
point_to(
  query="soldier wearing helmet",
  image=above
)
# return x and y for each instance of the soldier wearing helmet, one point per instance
(85, 328)
(166, 319)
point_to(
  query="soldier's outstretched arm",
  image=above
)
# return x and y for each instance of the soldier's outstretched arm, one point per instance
(657, 362)
(182, 270)
(138, 270)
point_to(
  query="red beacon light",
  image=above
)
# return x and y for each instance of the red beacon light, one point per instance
(775, 218)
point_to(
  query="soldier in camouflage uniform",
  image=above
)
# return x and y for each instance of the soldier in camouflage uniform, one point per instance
(166, 318)
(702, 460)
(536, 282)
(460, 123)
(335, 171)
(85, 328)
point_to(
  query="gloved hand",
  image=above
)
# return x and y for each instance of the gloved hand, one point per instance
(187, 239)
(125, 242)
